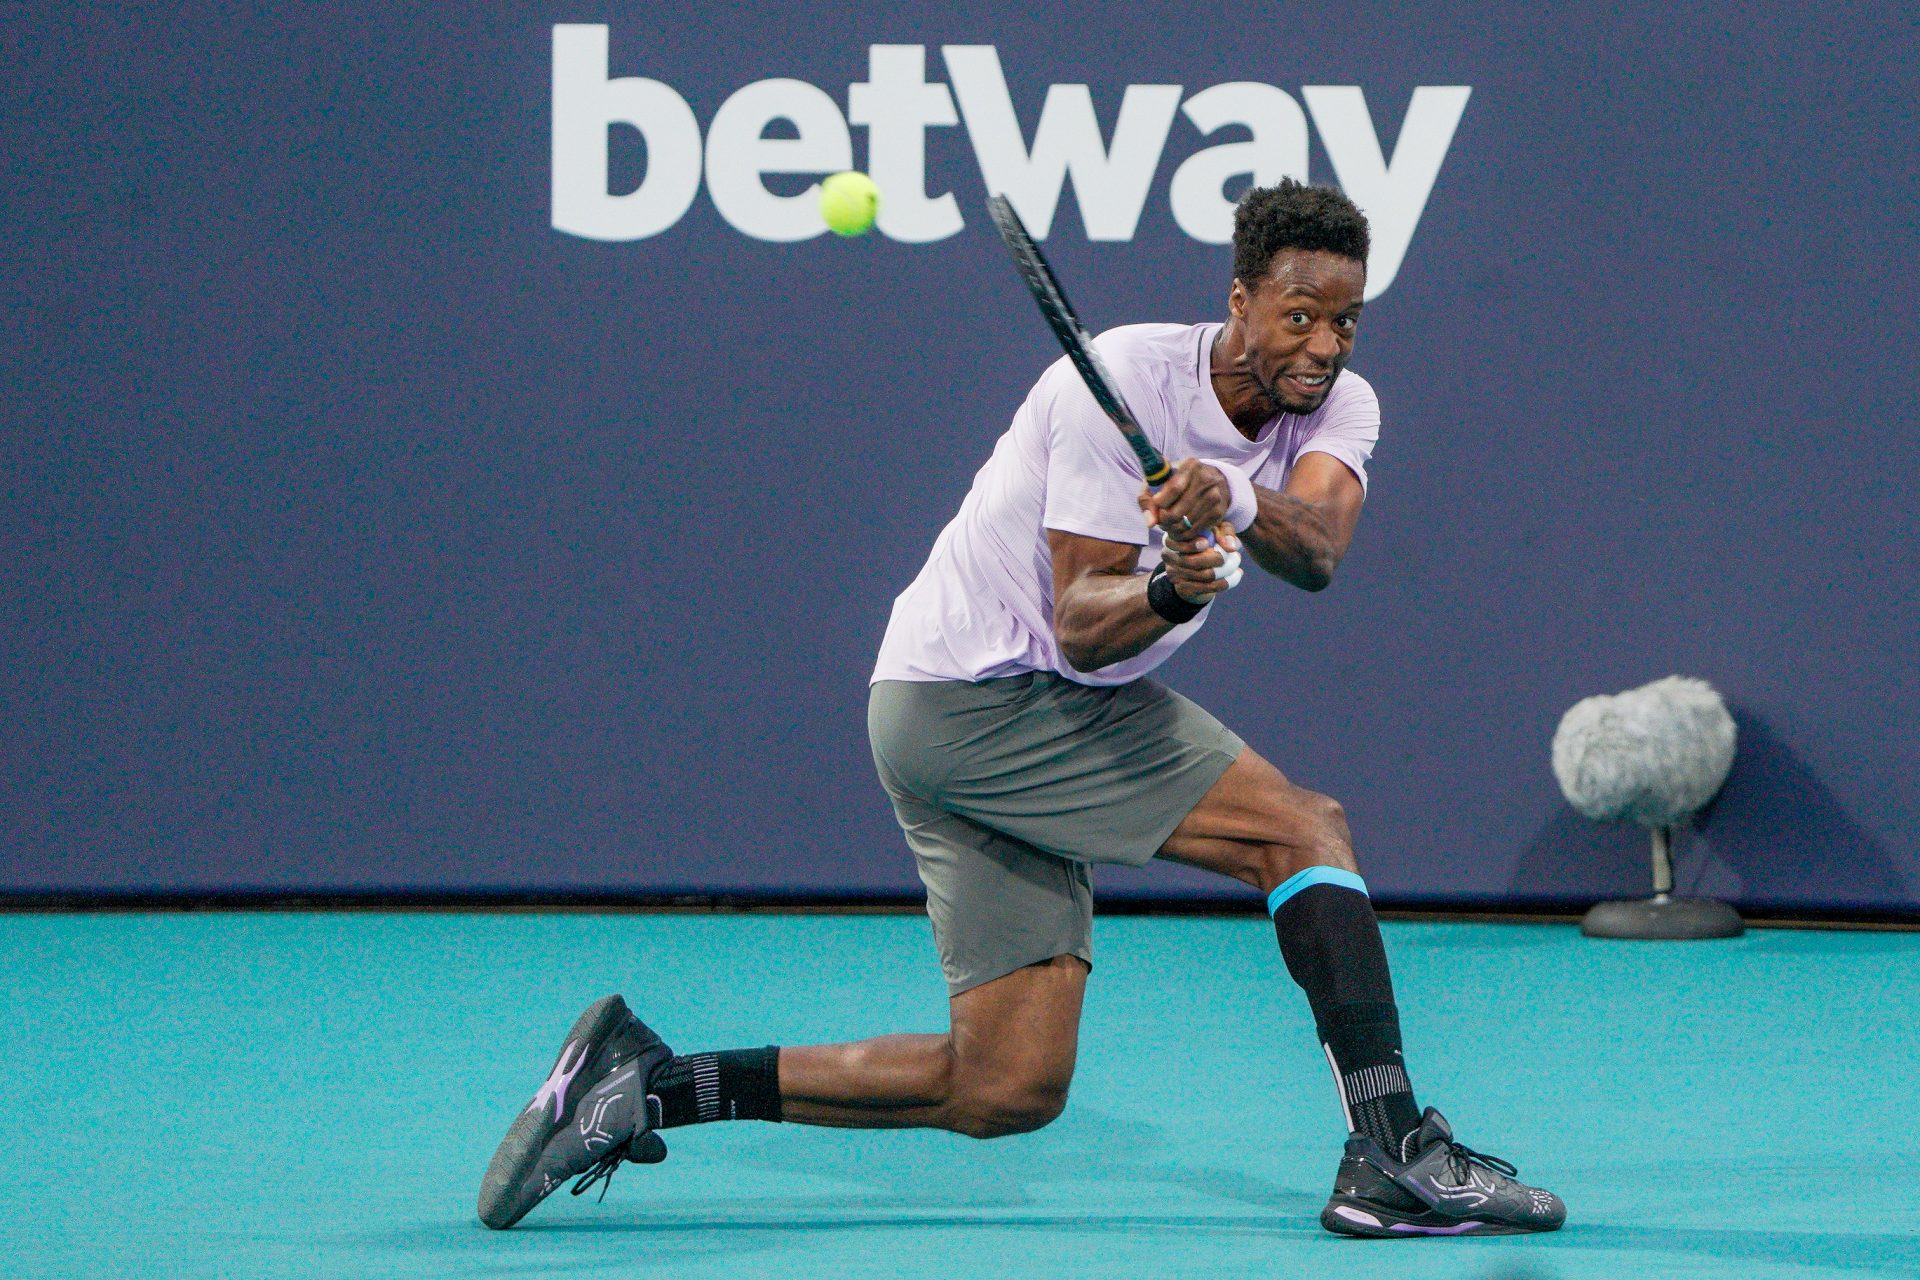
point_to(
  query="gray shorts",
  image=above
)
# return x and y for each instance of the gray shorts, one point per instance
(1007, 790)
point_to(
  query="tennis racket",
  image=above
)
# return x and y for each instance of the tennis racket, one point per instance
(1078, 344)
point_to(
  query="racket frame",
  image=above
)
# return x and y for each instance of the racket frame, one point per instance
(1073, 336)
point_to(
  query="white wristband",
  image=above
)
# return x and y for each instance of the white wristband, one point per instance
(1245, 507)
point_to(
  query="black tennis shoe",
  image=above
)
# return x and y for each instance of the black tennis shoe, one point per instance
(1440, 1189)
(589, 1115)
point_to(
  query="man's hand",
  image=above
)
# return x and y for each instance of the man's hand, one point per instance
(1198, 570)
(1194, 499)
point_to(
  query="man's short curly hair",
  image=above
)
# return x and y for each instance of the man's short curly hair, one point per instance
(1293, 215)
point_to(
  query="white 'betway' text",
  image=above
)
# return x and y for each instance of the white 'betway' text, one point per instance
(896, 104)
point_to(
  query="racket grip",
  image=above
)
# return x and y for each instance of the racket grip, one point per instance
(1212, 536)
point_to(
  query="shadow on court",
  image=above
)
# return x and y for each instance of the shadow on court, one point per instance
(758, 1219)
(994, 1177)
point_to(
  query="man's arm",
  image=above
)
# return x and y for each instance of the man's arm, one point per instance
(1100, 610)
(1302, 533)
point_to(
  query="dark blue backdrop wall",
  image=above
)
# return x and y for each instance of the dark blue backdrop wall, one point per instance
(367, 530)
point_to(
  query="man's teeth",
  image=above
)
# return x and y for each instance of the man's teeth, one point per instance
(1313, 381)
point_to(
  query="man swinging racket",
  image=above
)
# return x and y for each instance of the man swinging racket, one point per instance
(1017, 730)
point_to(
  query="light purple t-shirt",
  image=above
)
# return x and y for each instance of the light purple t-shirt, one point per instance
(983, 605)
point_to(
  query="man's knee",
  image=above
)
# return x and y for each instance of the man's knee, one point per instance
(1328, 819)
(1312, 833)
(1013, 1045)
(1004, 1107)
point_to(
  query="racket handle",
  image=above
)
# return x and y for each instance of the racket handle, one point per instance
(1212, 536)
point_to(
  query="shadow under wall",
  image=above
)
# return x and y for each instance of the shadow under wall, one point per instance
(1773, 837)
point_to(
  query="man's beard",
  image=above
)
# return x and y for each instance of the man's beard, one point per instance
(1278, 398)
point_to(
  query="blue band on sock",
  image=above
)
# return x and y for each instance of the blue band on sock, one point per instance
(1310, 877)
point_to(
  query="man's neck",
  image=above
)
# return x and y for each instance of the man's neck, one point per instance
(1247, 407)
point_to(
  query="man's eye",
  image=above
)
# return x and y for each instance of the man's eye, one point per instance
(1300, 317)
(1348, 322)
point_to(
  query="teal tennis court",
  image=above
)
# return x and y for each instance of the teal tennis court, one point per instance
(317, 1094)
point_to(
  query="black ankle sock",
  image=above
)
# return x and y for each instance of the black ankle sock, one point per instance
(739, 1084)
(1330, 940)
(1362, 1044)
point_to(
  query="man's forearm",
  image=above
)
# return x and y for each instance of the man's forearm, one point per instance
(1105, 618)
(1292, 540)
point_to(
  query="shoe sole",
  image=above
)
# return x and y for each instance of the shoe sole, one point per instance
(1346, 1217)
(519, 1152)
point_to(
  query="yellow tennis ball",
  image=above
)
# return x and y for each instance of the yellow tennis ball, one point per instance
(849, 202)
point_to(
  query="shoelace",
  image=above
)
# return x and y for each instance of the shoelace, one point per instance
(601, 1172)
(1459, 1156)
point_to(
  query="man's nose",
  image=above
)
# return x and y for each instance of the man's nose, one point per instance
(1323, 344)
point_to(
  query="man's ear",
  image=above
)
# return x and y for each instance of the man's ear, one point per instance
(1237, 300)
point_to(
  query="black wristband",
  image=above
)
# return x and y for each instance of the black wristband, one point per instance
(1165, 601)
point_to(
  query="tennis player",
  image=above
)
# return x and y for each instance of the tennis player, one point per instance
(1021, 737)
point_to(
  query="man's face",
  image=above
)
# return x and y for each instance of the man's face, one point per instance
(1299, 323)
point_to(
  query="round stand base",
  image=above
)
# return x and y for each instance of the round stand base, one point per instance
(1669, 918)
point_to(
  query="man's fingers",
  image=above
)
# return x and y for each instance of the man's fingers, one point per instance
(1201, 568)
(1195, 589)
(1170, 495)
(1229, 543)
(1196, 496)
(1207, 566)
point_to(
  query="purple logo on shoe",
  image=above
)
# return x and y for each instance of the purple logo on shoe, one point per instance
(557, 1081)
